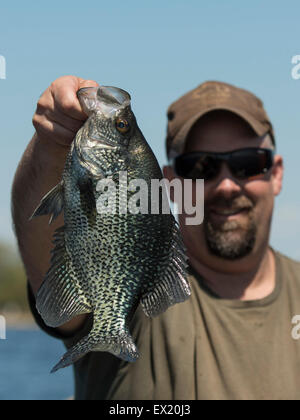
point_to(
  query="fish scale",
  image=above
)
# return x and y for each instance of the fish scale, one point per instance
(108, 264)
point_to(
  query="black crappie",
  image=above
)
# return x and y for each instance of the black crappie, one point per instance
(108, 263)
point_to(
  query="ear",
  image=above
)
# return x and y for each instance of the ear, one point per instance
(277, 174)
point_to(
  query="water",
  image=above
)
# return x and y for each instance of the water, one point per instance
(26, 358)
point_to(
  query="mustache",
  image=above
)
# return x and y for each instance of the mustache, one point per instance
(233, 204)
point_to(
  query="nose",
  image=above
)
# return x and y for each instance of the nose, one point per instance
(225, 183)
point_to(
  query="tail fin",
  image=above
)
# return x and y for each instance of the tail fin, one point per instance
(121, 346)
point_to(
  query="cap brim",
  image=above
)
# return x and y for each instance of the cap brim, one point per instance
(180, 139)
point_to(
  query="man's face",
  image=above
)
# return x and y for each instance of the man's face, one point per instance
(237, 213)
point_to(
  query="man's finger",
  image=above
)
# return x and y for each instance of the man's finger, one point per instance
(49, 130)
(64, 91)
(86, 83)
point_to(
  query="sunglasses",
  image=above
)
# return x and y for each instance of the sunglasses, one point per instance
(243, 163)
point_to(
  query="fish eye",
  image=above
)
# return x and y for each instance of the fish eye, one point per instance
(122, 125)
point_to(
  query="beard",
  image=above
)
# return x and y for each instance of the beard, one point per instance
(231, 239)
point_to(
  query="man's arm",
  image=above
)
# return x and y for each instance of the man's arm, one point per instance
(57, 119)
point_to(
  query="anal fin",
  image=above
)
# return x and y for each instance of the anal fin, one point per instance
(59, 298)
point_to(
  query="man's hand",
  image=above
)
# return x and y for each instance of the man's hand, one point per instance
(57, 119)
(58, 115)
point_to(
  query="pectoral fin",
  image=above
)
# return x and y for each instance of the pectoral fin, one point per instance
(51, 204)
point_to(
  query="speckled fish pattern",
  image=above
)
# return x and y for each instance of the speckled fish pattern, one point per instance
(108, 264)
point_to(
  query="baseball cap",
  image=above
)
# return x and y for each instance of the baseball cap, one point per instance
(212, 96)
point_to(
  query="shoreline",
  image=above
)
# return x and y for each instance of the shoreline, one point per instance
(19, 321)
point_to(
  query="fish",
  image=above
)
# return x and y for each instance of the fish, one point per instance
(107, 263)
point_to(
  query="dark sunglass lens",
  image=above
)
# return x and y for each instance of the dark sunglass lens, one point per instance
(197, 166)
(250, 162)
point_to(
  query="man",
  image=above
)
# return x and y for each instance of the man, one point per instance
(232, 338)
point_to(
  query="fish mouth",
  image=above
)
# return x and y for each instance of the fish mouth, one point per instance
(113, 95)
(106, 100)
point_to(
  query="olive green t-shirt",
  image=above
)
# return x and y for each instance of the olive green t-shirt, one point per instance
(206, 348)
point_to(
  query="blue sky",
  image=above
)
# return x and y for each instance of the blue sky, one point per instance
(157, 50)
